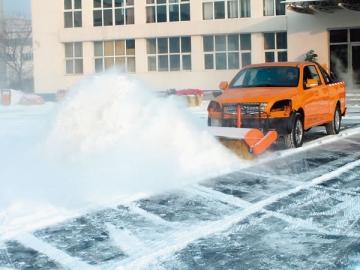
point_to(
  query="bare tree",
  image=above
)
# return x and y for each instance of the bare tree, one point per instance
(16, 51)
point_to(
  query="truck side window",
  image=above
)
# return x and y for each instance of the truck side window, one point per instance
(310, 72)
(306, 75)
(315, 74)
(326, 75)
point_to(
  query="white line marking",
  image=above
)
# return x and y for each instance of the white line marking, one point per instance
(181, 239)
(53, 253)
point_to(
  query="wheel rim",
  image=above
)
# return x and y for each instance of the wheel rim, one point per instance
(299, 133)
(337, 120)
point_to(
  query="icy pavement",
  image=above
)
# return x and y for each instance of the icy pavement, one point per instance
(66, 204)
(293, 211)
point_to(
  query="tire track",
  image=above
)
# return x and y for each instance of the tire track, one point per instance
(206, 229)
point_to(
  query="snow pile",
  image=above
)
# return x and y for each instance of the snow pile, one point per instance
(127, 140)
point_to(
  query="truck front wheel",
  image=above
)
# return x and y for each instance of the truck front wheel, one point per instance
(295, 138)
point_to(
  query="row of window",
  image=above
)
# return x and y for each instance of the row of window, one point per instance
(169, 54)
(167, 11)
(72, 13)
(275, 46)
(344, 35)
(229, 9)
(221, 52)
(113, 12)
(227, 51)
(121, 12)
(226, 9)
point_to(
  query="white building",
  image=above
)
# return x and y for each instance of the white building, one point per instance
(188, 44)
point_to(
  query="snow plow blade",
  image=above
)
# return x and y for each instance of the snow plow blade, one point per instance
(247, 143)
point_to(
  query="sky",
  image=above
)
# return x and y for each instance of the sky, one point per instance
(17, 7)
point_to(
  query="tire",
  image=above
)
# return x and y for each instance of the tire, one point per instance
(295, 138)
(333, 127)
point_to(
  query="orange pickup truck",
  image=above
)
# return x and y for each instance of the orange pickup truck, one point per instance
(286, 97)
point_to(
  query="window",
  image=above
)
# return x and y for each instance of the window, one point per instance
(345, 54)
(245, 8)
(227, 51)
(72, 13)
(113, 12)
(310, 72)
(280, 76)
(275, 46)
(115, 53)
(355, 35)
(74, 58)
(167, 11)
(169, 54)
(226, 9)
(337, 36)
(274, 7)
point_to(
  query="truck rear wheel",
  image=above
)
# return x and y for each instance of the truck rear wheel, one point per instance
(295, 138)
(333, 127)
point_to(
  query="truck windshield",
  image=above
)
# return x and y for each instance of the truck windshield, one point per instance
(266, 77)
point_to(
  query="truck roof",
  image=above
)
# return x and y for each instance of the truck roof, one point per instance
(277, 64)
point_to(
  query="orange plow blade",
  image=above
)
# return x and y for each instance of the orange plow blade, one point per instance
(247, 143)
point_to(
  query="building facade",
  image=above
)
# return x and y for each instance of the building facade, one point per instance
(173, 44)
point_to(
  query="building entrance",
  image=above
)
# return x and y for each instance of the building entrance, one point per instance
(355, 60)
(345, 55)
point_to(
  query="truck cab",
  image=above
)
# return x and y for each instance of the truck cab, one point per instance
(288, 97)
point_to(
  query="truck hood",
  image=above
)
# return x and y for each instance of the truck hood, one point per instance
(256, 94)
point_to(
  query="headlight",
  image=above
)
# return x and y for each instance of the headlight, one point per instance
(263, 106)
(282, 105)
(214, 107)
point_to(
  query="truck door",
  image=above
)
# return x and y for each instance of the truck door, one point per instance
(316, 101)
(324, 95)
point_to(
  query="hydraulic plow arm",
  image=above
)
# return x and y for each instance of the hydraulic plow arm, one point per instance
(245, 142)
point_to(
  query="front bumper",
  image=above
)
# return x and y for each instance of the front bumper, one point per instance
(282, 125)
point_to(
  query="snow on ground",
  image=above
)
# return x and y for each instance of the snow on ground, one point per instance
(110, 140)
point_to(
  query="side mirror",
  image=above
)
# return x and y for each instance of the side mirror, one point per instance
(223, 85)
(311, 83)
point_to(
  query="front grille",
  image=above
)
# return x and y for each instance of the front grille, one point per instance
(246, 108)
